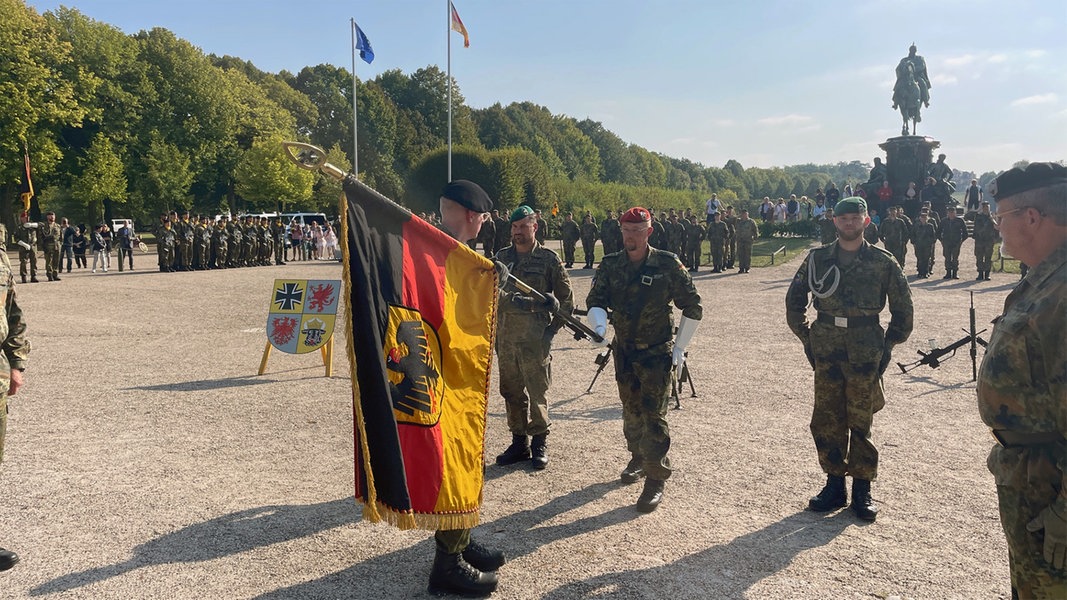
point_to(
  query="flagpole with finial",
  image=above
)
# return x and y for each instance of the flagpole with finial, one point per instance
(448, 34)
(355, 120)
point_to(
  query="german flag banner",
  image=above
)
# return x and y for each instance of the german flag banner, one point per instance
(421, 309)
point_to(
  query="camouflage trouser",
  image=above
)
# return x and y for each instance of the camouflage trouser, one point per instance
(452, 541)
(3, 423)
(525, 375)
(983, 255)
(185, 254)
(644, 379)
(744, 255)
(900, 252)
(1031, 576)
(588, 248)
(717, 248)
(848, 391)
(30, 257)
(924, 256)
(951, 252)
(693, 253)
(51, 260)
(568, 251)
(279, 252)
(731, 252)
(220, 256)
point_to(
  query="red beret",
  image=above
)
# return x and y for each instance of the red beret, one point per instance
(635, 215)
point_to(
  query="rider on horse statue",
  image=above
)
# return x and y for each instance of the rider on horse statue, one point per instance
(912, 89)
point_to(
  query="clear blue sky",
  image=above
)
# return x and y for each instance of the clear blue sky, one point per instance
(768, 83)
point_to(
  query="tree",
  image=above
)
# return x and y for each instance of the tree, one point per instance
(168, 176)
(102, 179)
(265, 176)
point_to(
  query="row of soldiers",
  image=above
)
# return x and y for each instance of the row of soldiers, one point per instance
(184, 244)
(896, 230)
(730, 236)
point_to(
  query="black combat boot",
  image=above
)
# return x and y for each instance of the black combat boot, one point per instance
(518, 450)
(23, 279)
(831, 497)
(482, 558)
(634, 470)
(651, 496)
(7, 559)
(538, 448)
(948, 274)
(453, 575)
(862, 504)
(987, 275)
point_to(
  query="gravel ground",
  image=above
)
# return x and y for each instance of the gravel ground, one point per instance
(146, 459)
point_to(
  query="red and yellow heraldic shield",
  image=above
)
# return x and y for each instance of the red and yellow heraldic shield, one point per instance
(420, 318)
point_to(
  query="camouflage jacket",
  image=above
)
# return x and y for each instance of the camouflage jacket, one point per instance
(984, 232)
(746, 230)
(953, 232)
(1022, 383)
(863, 287)
(639, 296)
(51, 236)
(893, 232)
(694, 235)
(12, 327)
(589, 231)
(717, 231)
(569, 231)
(542, 270)
(924, 235)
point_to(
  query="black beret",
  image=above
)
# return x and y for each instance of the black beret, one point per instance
(469, 194)
(1035, 175)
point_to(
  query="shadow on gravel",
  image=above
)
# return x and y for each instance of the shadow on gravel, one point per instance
(723, 571)
(223, 536)
(404, 573)
(209, 384)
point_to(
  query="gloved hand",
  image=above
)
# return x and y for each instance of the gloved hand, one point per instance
(1055, 526)
(551, 303)
(810, 354)
(686, 328)
(502, 272)
(678, 362)
(524, 302)
(598, 322)
(887, 357)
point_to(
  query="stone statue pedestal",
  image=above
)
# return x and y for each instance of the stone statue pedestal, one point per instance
(907, 158)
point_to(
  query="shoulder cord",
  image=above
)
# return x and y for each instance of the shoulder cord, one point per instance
(814, 283)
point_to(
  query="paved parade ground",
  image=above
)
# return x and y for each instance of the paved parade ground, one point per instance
(146, 459)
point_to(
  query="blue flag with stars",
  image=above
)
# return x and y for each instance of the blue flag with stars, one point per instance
(363, 45)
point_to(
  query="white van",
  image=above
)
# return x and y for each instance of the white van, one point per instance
(304, 218)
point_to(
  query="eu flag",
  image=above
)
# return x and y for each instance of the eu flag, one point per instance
(363, 45)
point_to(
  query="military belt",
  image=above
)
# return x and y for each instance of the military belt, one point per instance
(1014, 439)
(846, 322)
(639, 347)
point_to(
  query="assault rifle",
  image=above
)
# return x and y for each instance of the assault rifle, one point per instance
(935, 356)
(676, 385)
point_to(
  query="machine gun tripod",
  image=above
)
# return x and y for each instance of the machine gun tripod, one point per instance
(934, 357)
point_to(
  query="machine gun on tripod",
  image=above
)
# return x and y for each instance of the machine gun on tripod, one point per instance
(935, 356)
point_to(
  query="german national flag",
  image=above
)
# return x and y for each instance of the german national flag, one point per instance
(421, 313)
(26, 189)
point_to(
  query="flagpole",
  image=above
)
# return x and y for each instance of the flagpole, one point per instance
(448, 33)
(355, 120)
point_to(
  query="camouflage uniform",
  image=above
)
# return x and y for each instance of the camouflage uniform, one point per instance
(717, 233)
(219, 245)
(846, 359)
(746, 234)
(639, 297)
(51, 242)
(589, 233)
(894, 234)
(166, 240)
(524, 337)
(694, 238)
(984, 237)
(570, 234)
(487, 238)
(611, 235)
(278, 233)
(16, 348)
(953, 232)
(827, 231)
(503, 233)
(542, 231)
(185, 234)
(658, 239)
(1022, 388)
(730, 254)
(676, 238)
(923, 237)
(198, 245)
(28, 236)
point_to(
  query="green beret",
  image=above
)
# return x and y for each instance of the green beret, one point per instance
(852, 204)
(521, 213)
(1035, 175)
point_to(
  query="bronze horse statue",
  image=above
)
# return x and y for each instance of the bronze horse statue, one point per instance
(908, 97)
